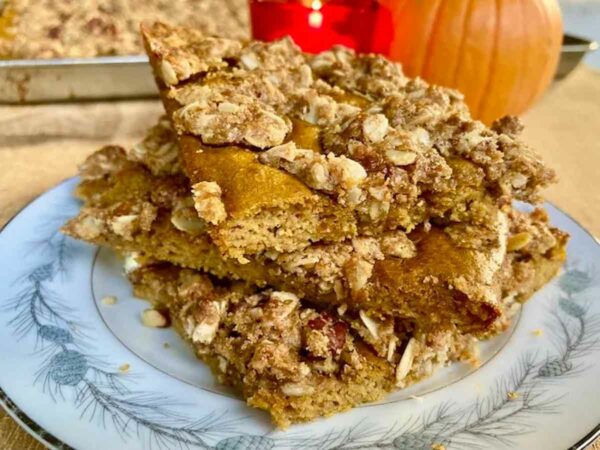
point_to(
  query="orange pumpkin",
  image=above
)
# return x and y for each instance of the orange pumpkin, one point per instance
(502, 54)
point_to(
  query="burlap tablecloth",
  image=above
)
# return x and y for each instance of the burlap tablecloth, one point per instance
(42, 145)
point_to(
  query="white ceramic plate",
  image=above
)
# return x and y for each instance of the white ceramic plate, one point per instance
(63, 351)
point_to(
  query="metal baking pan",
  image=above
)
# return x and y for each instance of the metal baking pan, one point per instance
(114, 77)
(574, 49)
(53, 80)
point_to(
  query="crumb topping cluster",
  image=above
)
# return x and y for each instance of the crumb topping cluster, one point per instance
(530, 234)
(266, 334)
(158, 151)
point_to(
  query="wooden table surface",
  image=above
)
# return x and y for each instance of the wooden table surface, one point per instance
(42, 145)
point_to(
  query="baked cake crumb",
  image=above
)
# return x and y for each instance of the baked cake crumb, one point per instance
(109, 300)
(153, 318)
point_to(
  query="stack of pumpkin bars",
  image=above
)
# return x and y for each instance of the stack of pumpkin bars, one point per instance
(322, 229)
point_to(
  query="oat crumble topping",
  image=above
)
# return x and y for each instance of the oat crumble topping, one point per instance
(158, 151)
(331, 174)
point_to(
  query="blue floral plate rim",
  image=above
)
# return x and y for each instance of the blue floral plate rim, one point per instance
(51, 441)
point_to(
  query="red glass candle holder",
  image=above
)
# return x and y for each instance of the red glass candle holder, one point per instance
(316, 25)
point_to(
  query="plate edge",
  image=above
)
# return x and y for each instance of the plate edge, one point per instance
(30, 426)
(36, 431)
(587, 439)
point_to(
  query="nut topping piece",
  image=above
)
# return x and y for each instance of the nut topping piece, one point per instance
(296, 389)
(405, 363)
(401, 158)
(375, 128)
(358, 271)
(203, 324)
(331, 174)
(326, 336)
(208, 203)
(370, 324)
(518, 241)
(154, 319)
(398, 244)
(167, 73)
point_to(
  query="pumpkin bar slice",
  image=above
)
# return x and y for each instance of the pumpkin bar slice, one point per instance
(272, 138)
(428, 275)
(299, 361)
(295, 361)
(440, 276)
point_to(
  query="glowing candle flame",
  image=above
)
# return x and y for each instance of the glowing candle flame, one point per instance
(315, 18)
(316, 25)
